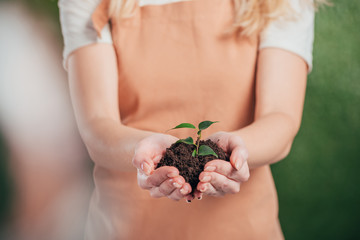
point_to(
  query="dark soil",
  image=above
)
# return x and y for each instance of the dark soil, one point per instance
(179, 156)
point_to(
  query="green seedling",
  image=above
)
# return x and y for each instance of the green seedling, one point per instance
(202, 150)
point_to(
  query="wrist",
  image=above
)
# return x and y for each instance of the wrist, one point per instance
(112, 145)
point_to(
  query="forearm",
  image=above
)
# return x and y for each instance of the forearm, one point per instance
(280, 92)
(111, 144)
(93, 83)
(268, 139)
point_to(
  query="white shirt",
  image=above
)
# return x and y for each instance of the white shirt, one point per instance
(296, 36)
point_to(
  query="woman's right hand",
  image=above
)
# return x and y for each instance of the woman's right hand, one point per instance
(164, 181)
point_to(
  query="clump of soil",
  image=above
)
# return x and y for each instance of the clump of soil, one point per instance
(179, 156)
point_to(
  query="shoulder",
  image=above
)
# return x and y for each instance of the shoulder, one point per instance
(82, 4)
(294, 33)
(77, 26)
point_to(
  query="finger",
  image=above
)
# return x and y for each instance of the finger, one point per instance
(160, 175)
(197, 194)
(238, 157)
(208, 189)
(244, 172)
(220, 182)
(189, 198)
(155, 192)
(175, 195)
(169, 185)
(144, 163)
(225, 168)
(142, 180)
(180, 192)
(152, 147)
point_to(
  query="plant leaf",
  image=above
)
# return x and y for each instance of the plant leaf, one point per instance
(194, 153)
(185, 125)
(205, 124)
(188, 140)
(206, 150)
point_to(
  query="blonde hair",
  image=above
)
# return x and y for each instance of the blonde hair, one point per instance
(251, 16)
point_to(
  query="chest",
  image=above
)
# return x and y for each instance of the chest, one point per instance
(185, 41)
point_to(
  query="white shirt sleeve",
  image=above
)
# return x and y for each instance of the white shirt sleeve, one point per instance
(77, 27)
(296, 36)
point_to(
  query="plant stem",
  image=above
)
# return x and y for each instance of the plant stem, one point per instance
(198, 143)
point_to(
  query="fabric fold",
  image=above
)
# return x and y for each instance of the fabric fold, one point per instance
(100, 17)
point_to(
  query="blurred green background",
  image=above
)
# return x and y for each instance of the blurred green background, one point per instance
(318, 182)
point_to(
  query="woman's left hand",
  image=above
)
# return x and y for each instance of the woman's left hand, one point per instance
(221, 177)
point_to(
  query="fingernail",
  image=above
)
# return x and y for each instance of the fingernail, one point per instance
(145, 167)
(237, 164)
(206, 178)
(176, 184)
(199, 198)
(172, 174)
(188, 201)
(210, 168)
(183, 191)
(203, 189)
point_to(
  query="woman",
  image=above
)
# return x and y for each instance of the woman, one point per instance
(137, 69)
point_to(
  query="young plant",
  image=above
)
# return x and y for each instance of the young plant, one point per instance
(202, 150)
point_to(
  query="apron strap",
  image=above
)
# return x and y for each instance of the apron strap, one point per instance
(100, 17)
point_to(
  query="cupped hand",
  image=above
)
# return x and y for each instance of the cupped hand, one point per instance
(164, 181)
(221, 177)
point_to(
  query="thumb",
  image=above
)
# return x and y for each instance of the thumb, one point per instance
(144, 162)
(238, 157)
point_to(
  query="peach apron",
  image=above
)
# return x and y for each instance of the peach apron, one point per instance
(176, 66)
